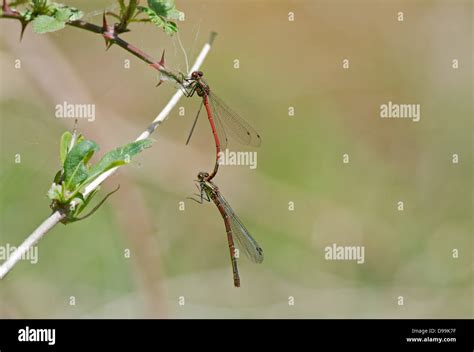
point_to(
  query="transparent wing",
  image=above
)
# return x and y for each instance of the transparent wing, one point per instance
(245, 241)
(236, 125)
(219, 128)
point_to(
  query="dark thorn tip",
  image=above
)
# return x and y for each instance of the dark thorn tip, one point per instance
(162, 60)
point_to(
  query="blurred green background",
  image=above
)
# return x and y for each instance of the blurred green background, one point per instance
(299, 64)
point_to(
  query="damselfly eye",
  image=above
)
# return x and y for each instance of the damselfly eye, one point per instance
(200, 74)
(202, 175)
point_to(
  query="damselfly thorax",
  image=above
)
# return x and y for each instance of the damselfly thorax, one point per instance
(202, 89)
(196, 84)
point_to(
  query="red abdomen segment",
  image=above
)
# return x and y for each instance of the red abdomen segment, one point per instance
(230, 240)
(216, 138)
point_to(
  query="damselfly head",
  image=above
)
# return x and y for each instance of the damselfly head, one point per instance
(196, 74)
(202, 176)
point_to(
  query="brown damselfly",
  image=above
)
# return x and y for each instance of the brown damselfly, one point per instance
(235, 229)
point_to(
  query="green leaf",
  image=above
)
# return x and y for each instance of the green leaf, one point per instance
(44, 24)
(170, 27)
(157, 20)
(51, 17)
(162, 7)
(122, 7)
(64, 146)
(75, 14)
(58, 176)
(62, 14)
(74, 217)
(117, 157)
(159, 13)
(79, 139)
(27, 14)
(66, 13)
(75, 164)
(86, 201)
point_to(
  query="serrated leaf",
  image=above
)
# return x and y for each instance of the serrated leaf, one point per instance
(168, 26)
(62, 14)
(162, 7)
(117, 157)
(45, 24)
(67, 13)
(64, 146)
(75, 164)
(159, 13)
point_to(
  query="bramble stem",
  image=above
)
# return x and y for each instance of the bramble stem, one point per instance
(108, 33)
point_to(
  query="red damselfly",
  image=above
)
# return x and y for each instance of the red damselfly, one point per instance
(234, 227)
(221, 118)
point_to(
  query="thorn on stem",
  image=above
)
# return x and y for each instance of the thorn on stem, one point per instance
(108, 32)
(5, 7)
(162, 60)
(105, 25)
(7, 10)
(23, 27)
(160, 65)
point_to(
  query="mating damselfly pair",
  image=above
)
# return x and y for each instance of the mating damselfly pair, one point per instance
(222, 118)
